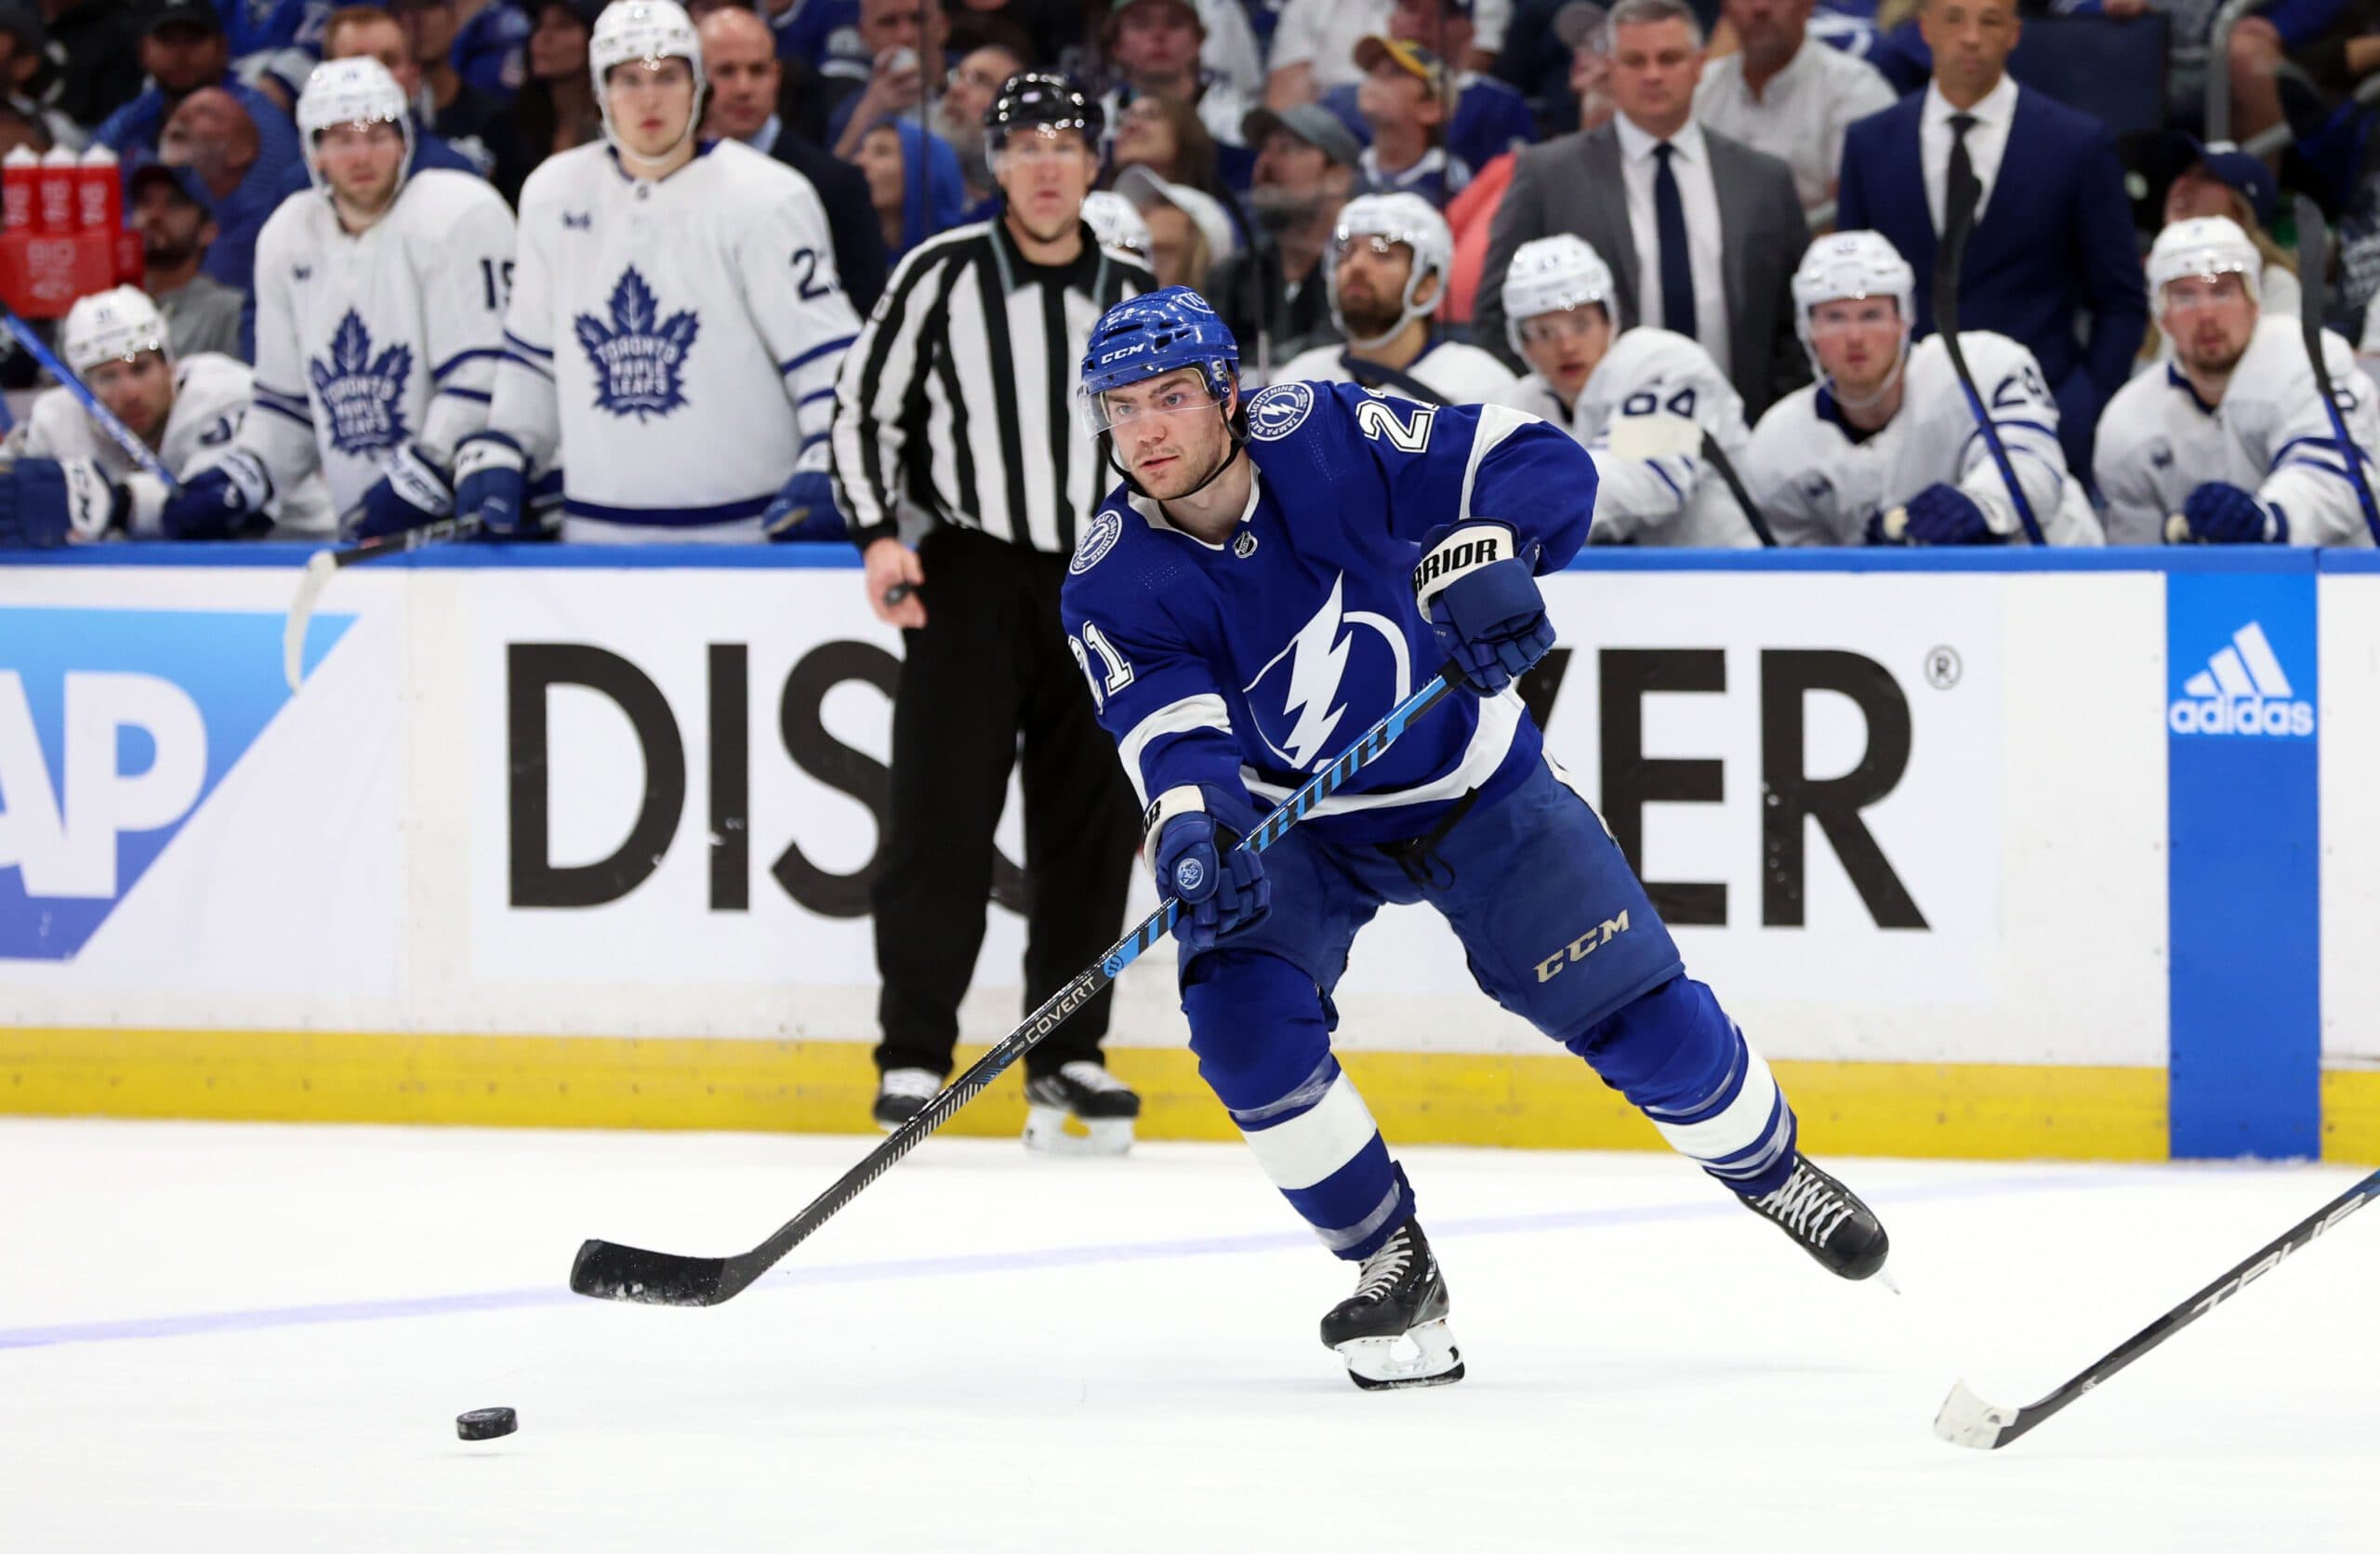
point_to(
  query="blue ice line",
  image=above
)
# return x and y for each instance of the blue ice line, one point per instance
(194, 1322)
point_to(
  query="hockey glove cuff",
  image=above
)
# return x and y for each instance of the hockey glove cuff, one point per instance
(492, 484)
(1479, 591)
(1945, 515)
(225, 500)
(47, 502)
(1222, 888)
(411, 491)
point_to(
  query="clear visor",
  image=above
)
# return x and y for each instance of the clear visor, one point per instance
(1568, 321)
(1379, 245)
(1118, 409)
(1838, 315)
(2210, 287)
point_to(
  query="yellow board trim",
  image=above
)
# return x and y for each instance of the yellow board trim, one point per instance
(1965, 1111)
(2351, 1116)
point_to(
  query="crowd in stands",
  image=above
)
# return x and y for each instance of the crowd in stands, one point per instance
(1695, 145)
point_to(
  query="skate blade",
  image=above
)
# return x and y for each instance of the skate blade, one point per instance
(1423, 1355)
(1051, 1130)
(1967, 1420)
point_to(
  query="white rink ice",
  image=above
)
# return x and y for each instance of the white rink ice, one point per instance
(256, 1338)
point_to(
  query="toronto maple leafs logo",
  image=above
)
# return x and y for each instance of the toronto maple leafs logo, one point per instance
(363, 394)
(640, 359)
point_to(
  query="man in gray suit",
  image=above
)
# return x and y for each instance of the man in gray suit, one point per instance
(1701, 232)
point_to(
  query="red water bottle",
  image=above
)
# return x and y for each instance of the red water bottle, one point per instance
(20, 170)
(54, 191)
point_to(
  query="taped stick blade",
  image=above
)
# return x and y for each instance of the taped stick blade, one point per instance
(320, 568)
(1967, 1420)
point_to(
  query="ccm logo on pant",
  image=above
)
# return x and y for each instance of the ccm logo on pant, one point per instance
(1581, 948)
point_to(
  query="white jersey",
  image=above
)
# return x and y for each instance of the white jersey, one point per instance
(368, 342)
(212, 395)
(1674, 498)
(2158, 442)
(1820, 483)
(672, 345)
(1458, 373)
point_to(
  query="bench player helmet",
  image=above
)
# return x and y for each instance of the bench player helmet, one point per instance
(1552, 274)
(353, 91)
(1147, 337)
(1849, 266)
(644, 30)
(113, 327)
(2203, 245)
(1407, 219)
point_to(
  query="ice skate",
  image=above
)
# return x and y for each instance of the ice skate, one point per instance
(1392, 1331)
(902, 1094)
(1827, 1220)
(1085, 1094)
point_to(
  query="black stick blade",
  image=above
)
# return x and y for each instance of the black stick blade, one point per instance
(610, 1271)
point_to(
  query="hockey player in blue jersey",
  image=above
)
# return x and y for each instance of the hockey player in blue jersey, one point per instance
(1270, 579)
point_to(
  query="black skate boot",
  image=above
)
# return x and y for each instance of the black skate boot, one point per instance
(1086, 1092)
(902, 1094)
(1827, 1220)
(1392, 1331)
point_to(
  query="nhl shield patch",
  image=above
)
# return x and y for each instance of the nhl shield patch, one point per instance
(640, 358)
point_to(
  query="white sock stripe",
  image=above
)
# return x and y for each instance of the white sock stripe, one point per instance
(1306, 1149)
(1360, 1232)
(1739, 1125)
(1309, 1090)
(1764, 1156)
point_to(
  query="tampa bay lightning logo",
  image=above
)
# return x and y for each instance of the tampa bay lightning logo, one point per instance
(1279, 411)
(363, 394)
(640, 358)
(1188, 875)
(1106, 527)
(1340, 659)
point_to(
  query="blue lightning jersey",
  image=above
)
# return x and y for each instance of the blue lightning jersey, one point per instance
(1248, 666)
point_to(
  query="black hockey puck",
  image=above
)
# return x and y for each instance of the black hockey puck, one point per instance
(486, 1424)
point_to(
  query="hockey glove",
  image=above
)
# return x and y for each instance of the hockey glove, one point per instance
(223, 501)
(1946, 515)
(1222, 888)
(47, 502)
(492, 485)
(411, 491)
(1480, 594)
(805, 509)
(2221, 514)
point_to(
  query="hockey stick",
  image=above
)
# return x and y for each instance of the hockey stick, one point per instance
(1716, 457)
(611, 1272)
(1967, 1420)
(323, 565)
(1645, 438)
(105, 418)
(2314, 259)
(1958, 221)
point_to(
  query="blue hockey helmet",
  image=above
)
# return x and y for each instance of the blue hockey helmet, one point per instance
(1145, 337)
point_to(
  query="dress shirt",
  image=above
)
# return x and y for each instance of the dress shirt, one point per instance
(1691, 166)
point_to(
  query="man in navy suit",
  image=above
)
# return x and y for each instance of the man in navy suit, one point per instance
(2051, 240)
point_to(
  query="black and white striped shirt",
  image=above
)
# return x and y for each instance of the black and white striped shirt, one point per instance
(957, 399)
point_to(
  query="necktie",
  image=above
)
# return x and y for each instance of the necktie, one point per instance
(1677, 261)
(1961, 173)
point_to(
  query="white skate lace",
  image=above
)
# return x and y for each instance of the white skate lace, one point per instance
(1091, 1076)
(922, 1084)
(1384, 1268)
(1806, 1207)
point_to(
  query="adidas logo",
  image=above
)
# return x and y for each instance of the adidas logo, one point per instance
(2242, 690)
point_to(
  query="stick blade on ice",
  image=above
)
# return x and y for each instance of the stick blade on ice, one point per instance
(611, 1272)
(1967, 1420)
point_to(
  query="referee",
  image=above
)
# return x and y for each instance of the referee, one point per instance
(954, 410)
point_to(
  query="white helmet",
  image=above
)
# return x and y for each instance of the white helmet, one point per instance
(1849, 266)
(351, 92)
(644, 30)
(2208, 246)
(113, 327)
(1552, 274)
(1115, 221)
(1407, 219)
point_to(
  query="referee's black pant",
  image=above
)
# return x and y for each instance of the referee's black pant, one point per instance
(991, 663)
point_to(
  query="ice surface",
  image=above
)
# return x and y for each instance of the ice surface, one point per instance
(257, 1338)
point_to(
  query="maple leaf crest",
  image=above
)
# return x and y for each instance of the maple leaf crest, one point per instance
(639, 357)
(362, 395)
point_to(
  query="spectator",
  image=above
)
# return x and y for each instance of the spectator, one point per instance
(1402, 99)
(1489, 118)
(2050, 249)
(1389, 256)
(904, 40)
(913, 185)
(2287, 34)
(1116, 224)
(1155, 45)
(95, 47)
(183, 48)
(1276, 296)
(2221, 179)
(475, 121)
(958, 117)
(370, 32)
(214, 135)
(555, 109)
(20, 128)
(1789, 94)
(1188, 230)
(1314, 47)
(1542, 59)
(174, 217)
(1033, 29)
(1701, 231)
(491, 52)
(1164, 134)
(740, 62)
(24, 43)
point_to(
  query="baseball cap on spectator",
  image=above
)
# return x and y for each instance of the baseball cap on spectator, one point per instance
(1144, 187)
(162, 14)
(1310, 122)
(2245, 173)
(1422, 64)
(184, 179)
(1574, 22)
